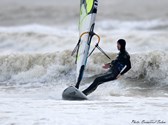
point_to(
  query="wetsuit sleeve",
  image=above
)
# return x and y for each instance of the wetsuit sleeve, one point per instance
(128, 66)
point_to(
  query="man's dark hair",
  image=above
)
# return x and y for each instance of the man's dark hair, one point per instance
(122, 42)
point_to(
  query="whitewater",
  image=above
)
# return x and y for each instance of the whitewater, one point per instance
(36, 66)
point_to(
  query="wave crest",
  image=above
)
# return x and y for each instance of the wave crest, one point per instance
(59, 67)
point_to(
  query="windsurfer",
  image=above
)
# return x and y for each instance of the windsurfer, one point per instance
(117, 68)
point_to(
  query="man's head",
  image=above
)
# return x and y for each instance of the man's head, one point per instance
(121, 43)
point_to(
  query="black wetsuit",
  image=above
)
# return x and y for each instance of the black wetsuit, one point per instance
(116, 67)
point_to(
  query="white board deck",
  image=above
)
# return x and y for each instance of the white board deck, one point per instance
(72, 93)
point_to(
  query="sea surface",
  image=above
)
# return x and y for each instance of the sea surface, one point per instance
(36, 41)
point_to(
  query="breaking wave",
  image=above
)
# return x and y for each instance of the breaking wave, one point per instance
(59, 66)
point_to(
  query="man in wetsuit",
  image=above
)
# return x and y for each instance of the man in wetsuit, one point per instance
(117, 67)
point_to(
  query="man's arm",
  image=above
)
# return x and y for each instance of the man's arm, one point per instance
(128, 67)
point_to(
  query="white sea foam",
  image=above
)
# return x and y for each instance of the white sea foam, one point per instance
(51, 67)
(133, 25)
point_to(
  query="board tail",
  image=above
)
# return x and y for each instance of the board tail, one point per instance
(72, 93)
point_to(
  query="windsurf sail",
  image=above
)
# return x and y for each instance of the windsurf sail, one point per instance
(88, 11)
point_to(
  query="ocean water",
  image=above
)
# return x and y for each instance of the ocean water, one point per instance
(36, 65)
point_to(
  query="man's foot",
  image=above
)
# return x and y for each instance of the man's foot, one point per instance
(84, 92)
(77, 86)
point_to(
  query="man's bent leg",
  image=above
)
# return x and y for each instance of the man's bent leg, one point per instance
(98, 81)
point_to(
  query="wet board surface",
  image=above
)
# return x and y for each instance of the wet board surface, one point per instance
(72, 93)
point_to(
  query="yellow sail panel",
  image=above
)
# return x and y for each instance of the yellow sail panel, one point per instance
(89, 5)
